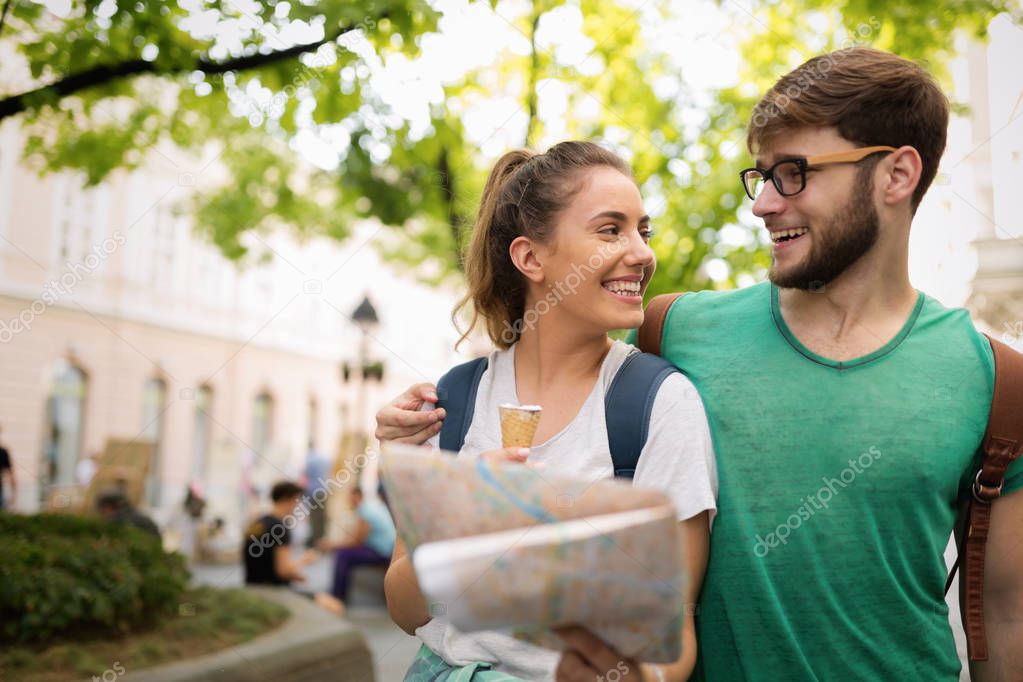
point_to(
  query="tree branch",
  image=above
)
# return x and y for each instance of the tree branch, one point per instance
(100, 75)
(3, 15)
(534, 75)
(456, 221)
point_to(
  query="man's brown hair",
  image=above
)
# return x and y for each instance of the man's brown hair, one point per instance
(871, 97)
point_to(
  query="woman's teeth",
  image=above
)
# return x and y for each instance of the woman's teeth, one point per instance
(785, 235)
(622, 288)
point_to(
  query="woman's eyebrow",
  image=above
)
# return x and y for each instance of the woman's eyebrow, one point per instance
(618, 215)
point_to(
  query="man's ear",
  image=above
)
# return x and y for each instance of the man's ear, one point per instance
(904, 168)
(524, 256)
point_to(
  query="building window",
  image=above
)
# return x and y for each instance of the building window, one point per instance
(164, 248)
(78, 216)
(154, 401)
(65, 407)
(201, 435)
(262, 423)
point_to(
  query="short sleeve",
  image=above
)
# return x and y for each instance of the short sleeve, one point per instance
(678, 457)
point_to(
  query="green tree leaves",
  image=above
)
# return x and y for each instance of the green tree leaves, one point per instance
(257, 80)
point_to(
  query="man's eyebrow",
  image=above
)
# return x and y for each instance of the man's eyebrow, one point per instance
(761, 162)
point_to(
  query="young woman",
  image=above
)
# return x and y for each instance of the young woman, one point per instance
(559, 257)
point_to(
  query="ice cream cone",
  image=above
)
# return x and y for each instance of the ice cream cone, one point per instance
(518, 424)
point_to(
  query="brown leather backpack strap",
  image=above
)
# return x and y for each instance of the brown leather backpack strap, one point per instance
(652, 329)
(1003, 442)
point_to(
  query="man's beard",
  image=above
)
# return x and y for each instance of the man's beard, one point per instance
(851, 233)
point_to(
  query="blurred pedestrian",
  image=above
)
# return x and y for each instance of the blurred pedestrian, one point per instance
(370, 545)
(267, 552)
(317, 471)
(7, 475)
(114, 506)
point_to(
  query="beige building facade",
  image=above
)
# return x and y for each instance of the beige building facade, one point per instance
(118, 322)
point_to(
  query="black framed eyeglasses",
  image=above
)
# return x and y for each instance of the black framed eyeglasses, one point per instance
(789, 175)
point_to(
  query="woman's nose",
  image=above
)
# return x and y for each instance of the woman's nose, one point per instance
(639, 251)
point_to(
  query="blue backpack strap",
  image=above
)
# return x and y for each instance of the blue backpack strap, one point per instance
(456, 393)
(627, 407)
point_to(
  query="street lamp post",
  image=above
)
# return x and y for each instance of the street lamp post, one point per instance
(365, 318)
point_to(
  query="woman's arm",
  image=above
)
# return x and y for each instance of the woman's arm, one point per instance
(696, 541)
(405, 602)
(586, 656)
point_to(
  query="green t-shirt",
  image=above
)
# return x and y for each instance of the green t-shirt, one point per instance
(838, 489)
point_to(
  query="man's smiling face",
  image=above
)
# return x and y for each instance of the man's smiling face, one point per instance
(821, 231)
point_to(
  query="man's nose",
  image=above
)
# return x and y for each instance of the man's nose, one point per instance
(769, 201)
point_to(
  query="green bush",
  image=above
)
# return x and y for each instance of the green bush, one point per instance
(66, 575)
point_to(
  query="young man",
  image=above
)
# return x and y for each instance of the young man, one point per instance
(370, 545)
(847, 408)
(267, 552)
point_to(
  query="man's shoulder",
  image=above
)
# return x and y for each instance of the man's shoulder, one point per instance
(714, 300)
(714, 310)
(951, 330)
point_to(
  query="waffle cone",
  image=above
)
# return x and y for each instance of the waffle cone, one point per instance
(518, 424)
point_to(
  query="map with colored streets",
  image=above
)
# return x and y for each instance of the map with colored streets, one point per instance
(505, 547)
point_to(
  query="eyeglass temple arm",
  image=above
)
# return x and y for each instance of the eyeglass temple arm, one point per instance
(849, 155)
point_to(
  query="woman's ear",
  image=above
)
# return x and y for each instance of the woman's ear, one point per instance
(524, 256)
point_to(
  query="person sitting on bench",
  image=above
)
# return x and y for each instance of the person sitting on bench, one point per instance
(371, 543)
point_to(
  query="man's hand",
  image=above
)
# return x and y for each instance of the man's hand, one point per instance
(403, 422)
(587, 658)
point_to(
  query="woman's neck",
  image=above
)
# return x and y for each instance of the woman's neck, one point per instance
(547, 358)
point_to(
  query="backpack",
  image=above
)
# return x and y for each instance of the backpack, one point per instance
(1002, 443)
(627, 406)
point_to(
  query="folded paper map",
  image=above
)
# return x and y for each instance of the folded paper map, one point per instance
(507, 547)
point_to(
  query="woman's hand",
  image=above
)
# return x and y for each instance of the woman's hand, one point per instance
(587, 658)
(503, 455)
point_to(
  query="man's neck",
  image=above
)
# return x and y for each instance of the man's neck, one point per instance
(280, 511)
(857, 313)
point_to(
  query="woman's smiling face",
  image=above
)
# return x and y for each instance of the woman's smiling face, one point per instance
(598, 261)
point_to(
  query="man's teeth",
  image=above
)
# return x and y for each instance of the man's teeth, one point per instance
(628, 288)
(785, 235)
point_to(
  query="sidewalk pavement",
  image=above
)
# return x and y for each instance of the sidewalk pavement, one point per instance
(392, 649)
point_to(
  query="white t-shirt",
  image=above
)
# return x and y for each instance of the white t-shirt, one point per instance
(678, 458)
